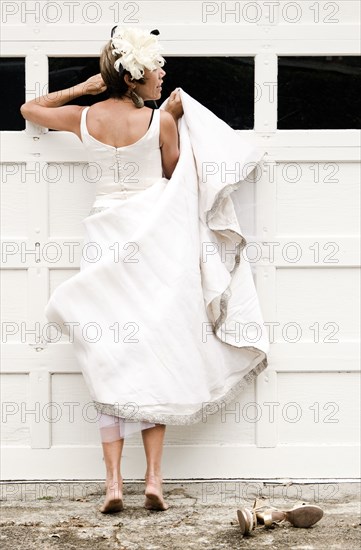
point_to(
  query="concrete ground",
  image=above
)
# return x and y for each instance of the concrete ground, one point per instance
(202, 515)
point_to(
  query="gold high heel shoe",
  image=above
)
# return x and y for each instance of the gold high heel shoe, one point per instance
(301, 515)
(247, 520)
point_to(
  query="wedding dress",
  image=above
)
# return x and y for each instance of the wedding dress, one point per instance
(165, 318)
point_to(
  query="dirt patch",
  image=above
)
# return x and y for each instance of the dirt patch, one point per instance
(189, 523)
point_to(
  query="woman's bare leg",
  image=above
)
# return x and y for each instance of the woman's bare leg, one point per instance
(153, 445)
(114, 481)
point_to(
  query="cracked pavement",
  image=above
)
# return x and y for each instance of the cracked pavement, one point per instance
(201, 515)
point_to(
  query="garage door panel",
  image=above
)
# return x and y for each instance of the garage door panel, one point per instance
(318, 198)
(325, 299)
(15, 410)
(318, 406)
(71, 192)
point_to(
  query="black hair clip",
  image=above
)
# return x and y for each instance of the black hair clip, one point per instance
(155, 31)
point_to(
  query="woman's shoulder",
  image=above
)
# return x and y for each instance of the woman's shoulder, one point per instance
(99, 107)
(166, 118)
(104, 109)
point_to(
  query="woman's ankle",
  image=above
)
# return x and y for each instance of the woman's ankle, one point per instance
(153, 476)
(114, 479)
(153, 471)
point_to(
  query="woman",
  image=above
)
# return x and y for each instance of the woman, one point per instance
(182, 285)
(121, 122)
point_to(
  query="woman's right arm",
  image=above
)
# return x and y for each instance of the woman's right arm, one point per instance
(50, 110)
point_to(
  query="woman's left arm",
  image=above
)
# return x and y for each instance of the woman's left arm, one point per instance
(48, 110)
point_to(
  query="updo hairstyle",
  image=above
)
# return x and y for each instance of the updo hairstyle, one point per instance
(116, 85)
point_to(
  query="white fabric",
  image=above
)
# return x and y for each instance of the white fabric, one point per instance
(113, 428)
(121, 172)
(125, 171)
(170, 348)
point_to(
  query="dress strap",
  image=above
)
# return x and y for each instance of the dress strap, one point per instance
(154, 126)
(151, 118)
(83, 128)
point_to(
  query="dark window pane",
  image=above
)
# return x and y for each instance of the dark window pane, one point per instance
(319, 93)
(66, 72)
(12, 94)
(203, 78)
(225, 85)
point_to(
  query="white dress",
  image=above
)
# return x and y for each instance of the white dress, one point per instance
(123, 177)
(168, 324)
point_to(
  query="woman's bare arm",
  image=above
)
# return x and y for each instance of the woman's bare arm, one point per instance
(48, 110)
(169, 133)
(168, 143)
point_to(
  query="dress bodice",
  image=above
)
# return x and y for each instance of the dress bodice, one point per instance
(119, 172)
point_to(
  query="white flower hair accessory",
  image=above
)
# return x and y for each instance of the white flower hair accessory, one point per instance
(138, 49)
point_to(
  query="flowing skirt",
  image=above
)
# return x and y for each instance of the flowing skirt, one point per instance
(168, 323)
(112, 428)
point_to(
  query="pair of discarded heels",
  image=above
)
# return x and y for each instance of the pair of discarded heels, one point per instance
(302, 515)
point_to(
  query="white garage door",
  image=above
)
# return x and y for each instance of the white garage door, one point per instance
(303, 409)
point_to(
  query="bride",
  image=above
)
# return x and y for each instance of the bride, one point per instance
(120, 122)
(190, 356)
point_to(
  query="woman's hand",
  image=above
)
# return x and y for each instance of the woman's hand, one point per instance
(94, 85)
(174, 105)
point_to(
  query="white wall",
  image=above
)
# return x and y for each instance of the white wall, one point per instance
(312, 386)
